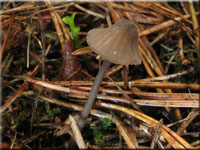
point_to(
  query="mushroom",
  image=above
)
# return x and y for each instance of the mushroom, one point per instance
(117, 44)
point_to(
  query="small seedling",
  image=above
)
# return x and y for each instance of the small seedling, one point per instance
(69, 20)
(106, 123)
(53, 112)
(99, 132)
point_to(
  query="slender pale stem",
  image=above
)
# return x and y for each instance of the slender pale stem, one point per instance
(92, 95)
(91, 99)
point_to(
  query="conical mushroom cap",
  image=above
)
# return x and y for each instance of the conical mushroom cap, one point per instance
(117, 44)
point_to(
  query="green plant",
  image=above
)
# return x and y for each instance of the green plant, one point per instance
(106, 123)
(6, 121)
(99, 132)
(53, 112)
(69, 20)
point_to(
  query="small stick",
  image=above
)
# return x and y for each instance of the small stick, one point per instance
(164, 25)
(175, 140)
(90, 12)
(157, 134)
(7, 35)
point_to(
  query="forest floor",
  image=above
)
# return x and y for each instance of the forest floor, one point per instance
(48, 68)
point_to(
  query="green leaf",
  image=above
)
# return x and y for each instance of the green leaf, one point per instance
(74, 30)
(97, 134)
(171, 63)
(106, 123)
(68, 20)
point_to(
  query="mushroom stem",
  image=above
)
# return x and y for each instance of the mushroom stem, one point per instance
(92, 95)
(91, 99)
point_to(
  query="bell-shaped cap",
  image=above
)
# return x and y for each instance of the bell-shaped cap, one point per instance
(117, 44)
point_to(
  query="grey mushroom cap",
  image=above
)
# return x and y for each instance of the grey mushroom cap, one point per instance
(117, 44)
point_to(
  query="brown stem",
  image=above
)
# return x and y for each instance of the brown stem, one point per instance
(91, 99)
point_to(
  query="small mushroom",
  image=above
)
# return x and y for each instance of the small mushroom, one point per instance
(117, 44)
